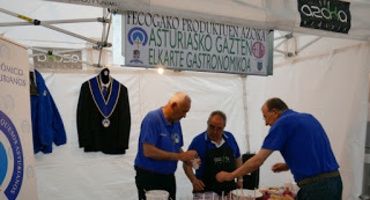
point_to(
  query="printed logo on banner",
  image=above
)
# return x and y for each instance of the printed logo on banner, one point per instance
(259, 66)
(3, 163)
(137, 37)
(330, 15)
(258, 49)
(11, 162)
(69, 59)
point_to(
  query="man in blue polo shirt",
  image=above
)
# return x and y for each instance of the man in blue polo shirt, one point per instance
(218, 151)
(159, 147)
(305, 147)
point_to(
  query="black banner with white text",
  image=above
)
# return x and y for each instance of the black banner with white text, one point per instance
(329, 15)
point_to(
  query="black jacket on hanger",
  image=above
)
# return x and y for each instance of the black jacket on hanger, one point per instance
(103, 124)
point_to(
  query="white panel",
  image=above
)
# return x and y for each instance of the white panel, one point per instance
(17, 168)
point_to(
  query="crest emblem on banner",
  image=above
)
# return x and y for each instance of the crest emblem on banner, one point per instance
(11, 161)
(258, 49)
(137, 37)
(3, 163)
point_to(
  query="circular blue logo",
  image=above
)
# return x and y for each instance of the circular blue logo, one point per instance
(137, 35)
(14, 160)
(3, 163)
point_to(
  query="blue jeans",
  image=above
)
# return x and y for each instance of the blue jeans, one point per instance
(327, 189)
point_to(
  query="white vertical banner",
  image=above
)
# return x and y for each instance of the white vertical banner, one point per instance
(17, 174)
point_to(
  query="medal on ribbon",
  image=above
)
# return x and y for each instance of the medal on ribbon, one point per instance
(106, 106)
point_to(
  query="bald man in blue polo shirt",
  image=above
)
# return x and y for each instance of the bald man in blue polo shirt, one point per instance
(305, 147)
(160, 147)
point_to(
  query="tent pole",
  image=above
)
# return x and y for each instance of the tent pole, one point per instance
(286, 36)
(308, 44)
(105, 33)
(247, 138)
(280, 43)
(66, 21)
(282, 52)
(37, 22)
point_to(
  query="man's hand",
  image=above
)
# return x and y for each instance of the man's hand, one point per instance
(279, 167)
(239, 183)
(224, 176)
(188, 155)
(198, 185)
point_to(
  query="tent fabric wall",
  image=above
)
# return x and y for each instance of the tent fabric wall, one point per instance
(332, 86)
(97, 176)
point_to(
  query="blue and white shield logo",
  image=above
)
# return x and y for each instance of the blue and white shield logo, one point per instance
(11, 161)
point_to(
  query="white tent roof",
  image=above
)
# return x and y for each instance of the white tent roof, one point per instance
(273, 14)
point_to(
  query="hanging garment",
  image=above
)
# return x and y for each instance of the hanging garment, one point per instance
(47, 125)
(103, 123)
(33, 87)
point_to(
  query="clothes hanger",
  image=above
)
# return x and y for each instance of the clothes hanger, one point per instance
(104, 75)
(33, 84)
(32, 67)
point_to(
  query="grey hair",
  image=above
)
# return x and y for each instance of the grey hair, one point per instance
(219, 113)
(179, 98)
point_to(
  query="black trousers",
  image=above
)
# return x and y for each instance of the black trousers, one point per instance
(146, 180)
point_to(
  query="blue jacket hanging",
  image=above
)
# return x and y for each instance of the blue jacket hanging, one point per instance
(47, 125)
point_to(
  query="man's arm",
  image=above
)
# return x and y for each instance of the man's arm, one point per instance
(238, 163)
(249, 166)
(198, 185)
(153, 152)
(279, 167)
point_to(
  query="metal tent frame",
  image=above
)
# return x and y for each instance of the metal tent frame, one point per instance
(106, 20)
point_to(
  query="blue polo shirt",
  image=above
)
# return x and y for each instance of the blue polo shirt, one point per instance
(201, 143)
(303, 143)
(166, 136)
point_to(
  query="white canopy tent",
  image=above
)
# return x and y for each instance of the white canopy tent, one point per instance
(328, 78)
(273, 14)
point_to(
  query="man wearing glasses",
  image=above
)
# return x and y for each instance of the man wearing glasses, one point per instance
(218, 151)
(305, 147)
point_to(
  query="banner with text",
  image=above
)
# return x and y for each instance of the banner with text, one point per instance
(68, 59)
(17, 172)
(329, 15)
(152, 40)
